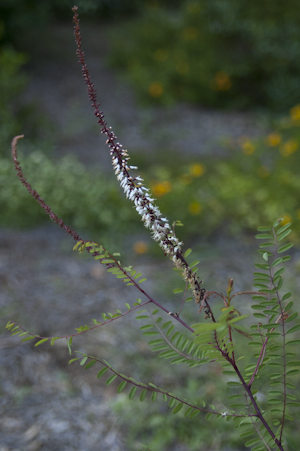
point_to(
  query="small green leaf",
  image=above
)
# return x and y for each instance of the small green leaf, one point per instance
(41, 341)
(283, 235)
(187, 253)
(154, 395)
(208, 416)
(102, 372)
(289, 306)
(177, 408)
(292, 372)
(265, 256)
(143, 395)
(293, 342)
(276, 262)
(188, 411)
(110, 379)
(132, 393)
(261, 266)
(91, 363)
(286, 296)
(283, 228)
(121, 386)
(83, 360)
(73, 360)
(172, 402)
(275, 376)
(178, 290)
(292, 317)
(285, 248)
(293, 329)
(264, 229)
(264, 236)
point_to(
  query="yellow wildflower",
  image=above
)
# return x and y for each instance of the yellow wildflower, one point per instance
(160, 55)
(274, 139)
(160, 188)
(140, 247)
(262, 171)
(189, 33)
(295, 113)
(156, 89)
(222, 81)
(289, 147)
(197, 170)
(195, 208)
(247, 146)
(286, 219)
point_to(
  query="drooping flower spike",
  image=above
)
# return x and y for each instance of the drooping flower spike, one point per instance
(133, 187)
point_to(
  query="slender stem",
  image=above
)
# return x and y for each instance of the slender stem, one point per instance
(183, 300)
(257, 409)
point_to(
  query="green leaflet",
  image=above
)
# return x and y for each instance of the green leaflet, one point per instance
(172, 402)
(187, 253)
(188, 411)
(69, 344)
(274, 401)
(28, 338)
(252, 442)
(110, 379)
(121, 386)
(177, 408)
(205, 327)
(91, 363)
(264, 229)
(178, 290)
(132, 393)
(292, 317)
(83, 360)
(73, 360)
(41, 341)
(283, 235)
(293, 329)
(276, 262)
(102, 372)
(143, 395)
(292, 372)
(264, 236)
(283, 228)
(293, 342)
(285, 248)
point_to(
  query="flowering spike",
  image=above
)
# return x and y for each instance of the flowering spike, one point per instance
(132, 185)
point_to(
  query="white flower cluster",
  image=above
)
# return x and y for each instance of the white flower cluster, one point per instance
(135, 191)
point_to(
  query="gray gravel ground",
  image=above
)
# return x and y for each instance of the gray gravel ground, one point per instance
(46, 404)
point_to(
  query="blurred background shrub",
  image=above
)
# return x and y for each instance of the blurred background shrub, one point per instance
(228, 53)
(232, 53)
(255, 181)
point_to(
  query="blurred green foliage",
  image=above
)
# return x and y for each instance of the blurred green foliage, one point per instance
(155, 425)
(232, 53)
(255, 181)
(85, 200)
(12, 83)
